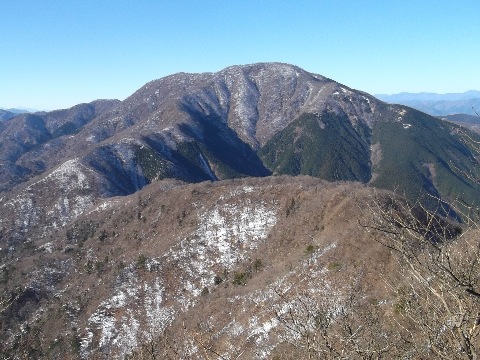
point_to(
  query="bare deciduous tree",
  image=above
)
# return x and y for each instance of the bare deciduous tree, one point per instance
(354, 329)
(438, 287)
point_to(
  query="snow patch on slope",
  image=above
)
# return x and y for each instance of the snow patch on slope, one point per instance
(225, 235)
(65, 193)
(305, 286)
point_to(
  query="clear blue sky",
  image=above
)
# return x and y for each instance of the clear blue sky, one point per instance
(58, 53)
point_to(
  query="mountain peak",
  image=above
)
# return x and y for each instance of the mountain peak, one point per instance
(117, 217)
(231, 123)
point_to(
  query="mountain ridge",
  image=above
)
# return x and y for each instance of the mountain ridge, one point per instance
(213, 126)
(6, 115)
(438, 104)
(429, 96)
(204, 209)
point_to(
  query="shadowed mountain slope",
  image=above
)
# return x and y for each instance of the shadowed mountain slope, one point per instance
(182, 218)
(252, 120)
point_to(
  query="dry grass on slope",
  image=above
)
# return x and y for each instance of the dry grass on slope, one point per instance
(276, 267)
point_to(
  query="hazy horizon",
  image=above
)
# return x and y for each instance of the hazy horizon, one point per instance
(29, 109)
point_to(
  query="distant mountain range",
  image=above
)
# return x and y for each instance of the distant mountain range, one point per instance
(20, 110)
(425, 96)
(7, 114)
(438, 104)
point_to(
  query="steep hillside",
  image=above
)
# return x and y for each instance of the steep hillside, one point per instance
(33, 143)
(326, 146)
(206, 262)
(244, 121)
(180, 222)
(404, 150)
(421, 155)
(471, 122)
(259, 268)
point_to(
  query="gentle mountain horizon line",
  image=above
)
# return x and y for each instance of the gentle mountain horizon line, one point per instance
(244, 120)
(18, 109)
(399, 97)
(431, 92)
(434, 104)
(429, 96)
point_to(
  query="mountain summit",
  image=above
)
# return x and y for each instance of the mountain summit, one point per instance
(95, 197)
(252, 120)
